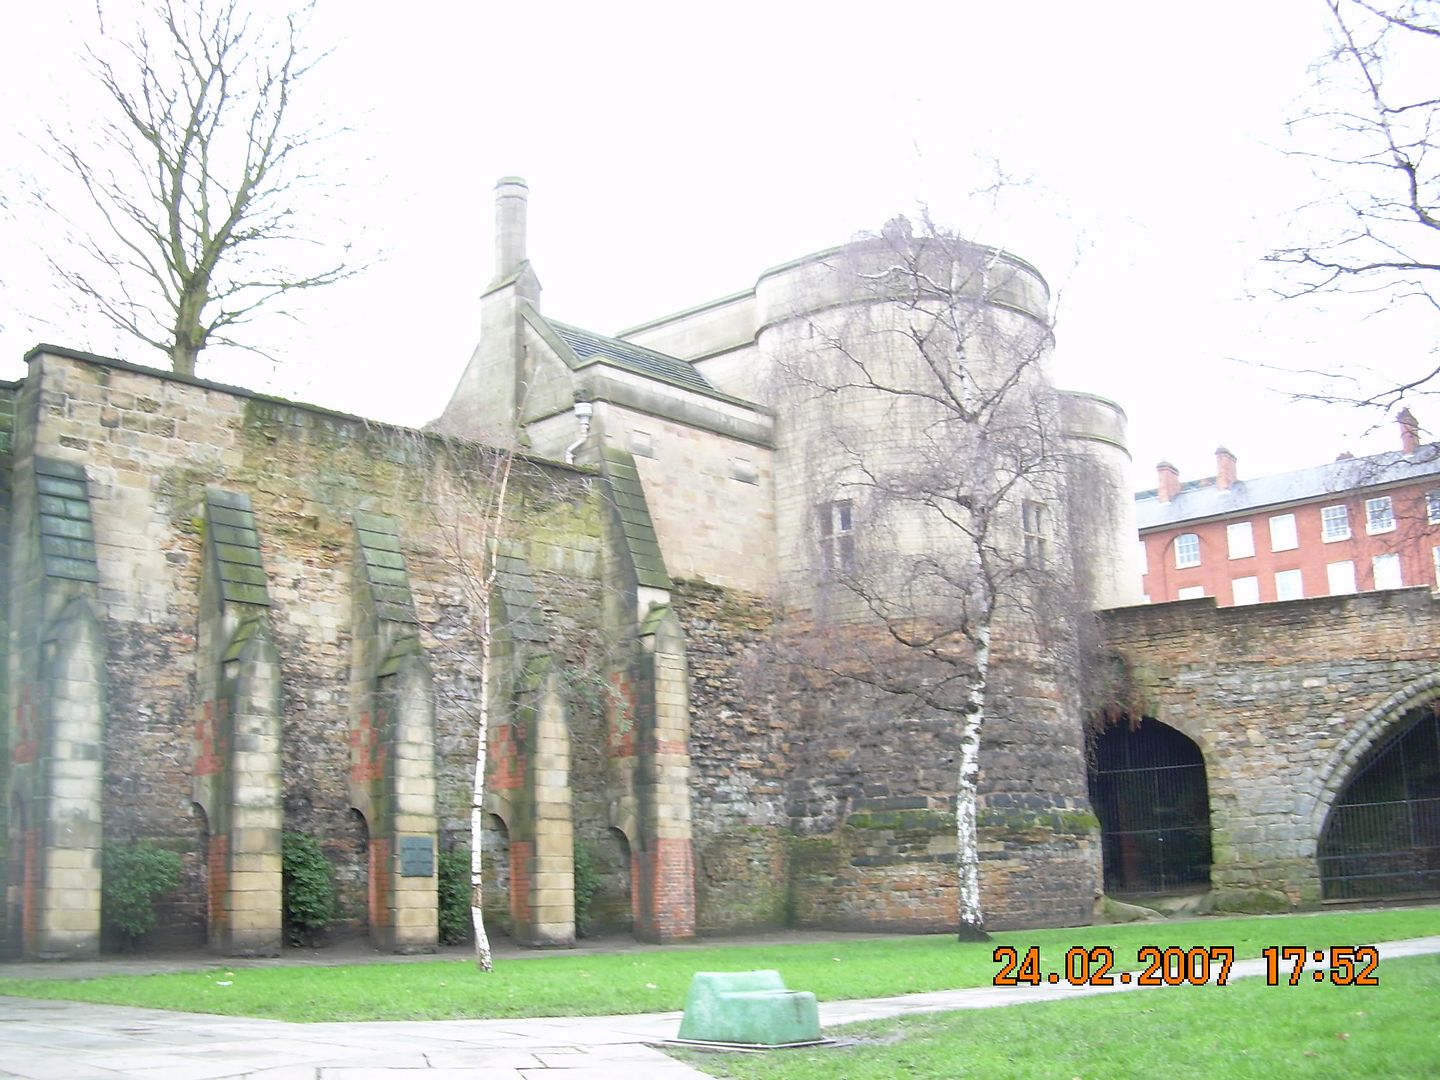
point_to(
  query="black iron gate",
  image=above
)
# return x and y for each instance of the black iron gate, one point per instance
(1382, 836)
(1148, 788)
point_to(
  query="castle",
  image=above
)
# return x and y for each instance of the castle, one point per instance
(229, 617)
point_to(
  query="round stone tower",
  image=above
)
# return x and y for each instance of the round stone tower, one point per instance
(923, 507)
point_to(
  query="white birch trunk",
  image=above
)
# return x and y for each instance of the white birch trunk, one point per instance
(967, 836)
(477, 800)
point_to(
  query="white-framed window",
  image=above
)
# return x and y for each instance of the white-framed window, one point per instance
(1144, 554)
(1191, 592)
(1289, 586)
(1245, 590)
(1282, 533)
(1241, 539)
(837, 536)
(1435, 558)
(1379, 515)
(1334, 523)
(1035, 524)
(1387, 571)
(1187, 550)
(1341, 576)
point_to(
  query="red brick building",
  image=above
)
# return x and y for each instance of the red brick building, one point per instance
(1356, 524)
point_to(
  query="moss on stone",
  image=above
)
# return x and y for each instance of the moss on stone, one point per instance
(1016, 822)
(903, 820)
(1245, 902)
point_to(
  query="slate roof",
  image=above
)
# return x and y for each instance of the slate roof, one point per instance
(524, 619)
(67, 537)
(1200, 500)
(588, 346)
(231, 532)
(627, 497)
(383, 562)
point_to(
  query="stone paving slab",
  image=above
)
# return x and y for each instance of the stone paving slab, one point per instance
(64, 1040)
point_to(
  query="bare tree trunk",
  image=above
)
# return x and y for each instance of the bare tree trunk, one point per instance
(967, 835)
(477, 801)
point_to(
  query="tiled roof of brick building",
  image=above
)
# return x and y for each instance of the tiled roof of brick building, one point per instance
(1199, 500)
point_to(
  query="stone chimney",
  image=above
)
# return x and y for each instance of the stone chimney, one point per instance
(511, 194)
(1169, 481)
(1224, 469)
(1409, 431)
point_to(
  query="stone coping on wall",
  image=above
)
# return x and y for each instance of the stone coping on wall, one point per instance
(161, 374)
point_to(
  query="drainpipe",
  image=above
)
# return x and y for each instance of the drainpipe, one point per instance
(582, 416)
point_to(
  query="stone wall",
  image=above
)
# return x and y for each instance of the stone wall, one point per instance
(151, 444)
(824, 804)
(1284, 700)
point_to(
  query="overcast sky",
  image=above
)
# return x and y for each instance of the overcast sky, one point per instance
(674, 151)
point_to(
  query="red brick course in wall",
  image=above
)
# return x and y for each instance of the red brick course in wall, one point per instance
(30, 885)
(672, 890)
(217, 882)
(522, 852)
(379, 884)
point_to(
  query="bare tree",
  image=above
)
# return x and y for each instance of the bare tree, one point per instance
(1377, 121)
(471, 503)
(198, 168)
(933, 438)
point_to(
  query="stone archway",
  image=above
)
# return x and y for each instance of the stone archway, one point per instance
(1148, 788)
(1381, 836)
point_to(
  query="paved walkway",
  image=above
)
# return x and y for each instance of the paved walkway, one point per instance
(48, 1040)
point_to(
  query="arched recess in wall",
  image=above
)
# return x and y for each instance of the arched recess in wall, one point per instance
(209, 880)
(495, 875)
(613, 906)
(1382, 834)
(1149, 790)
(18, 865)
(371, 885)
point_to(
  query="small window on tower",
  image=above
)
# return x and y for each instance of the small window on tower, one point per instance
(1035, 524)
(837, 537)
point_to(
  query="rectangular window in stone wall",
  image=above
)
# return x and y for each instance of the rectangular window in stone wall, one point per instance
(1387, 571)
(1282, 533)
(743, 469)
(837, 536)
(1334, 523)
(1379, 515)
(1289, 586)
(1246, 590)
(1187, 550)
(1342, 577)
(1241, 538)
(642, 444)
(1034, 522)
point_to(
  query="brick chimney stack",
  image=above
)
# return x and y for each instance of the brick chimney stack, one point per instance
(1409, 431)
(1169, 481)
(1224, 469)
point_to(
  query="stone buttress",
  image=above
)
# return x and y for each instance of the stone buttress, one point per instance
(528, 782)
(57, 716)
(392, 742)
(650, 713)
(236, 742)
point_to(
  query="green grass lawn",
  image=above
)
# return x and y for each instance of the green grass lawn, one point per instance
(556, 984)
(1245, 1029)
